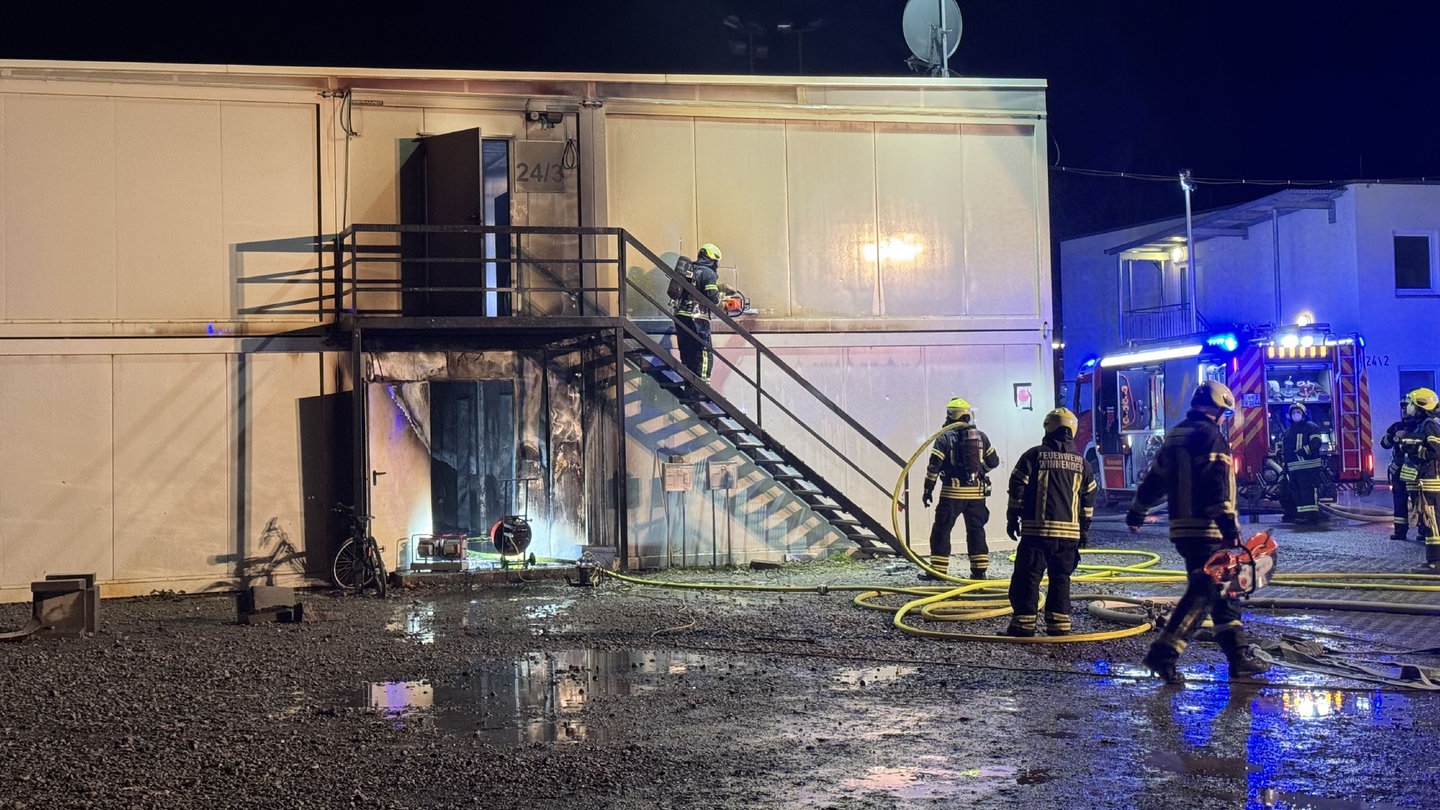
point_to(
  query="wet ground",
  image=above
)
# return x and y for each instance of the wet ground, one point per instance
(754, 690)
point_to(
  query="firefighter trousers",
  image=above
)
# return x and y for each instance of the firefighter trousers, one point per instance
(976, 514)
(1035, 558)
(1202, 597)
(692, 337)
(1305, 494)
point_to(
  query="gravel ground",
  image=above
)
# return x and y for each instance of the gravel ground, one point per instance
(623, 696)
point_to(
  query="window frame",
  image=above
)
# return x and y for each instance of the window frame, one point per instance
(1432, 239)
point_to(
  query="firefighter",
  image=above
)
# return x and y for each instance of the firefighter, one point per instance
(1300, 450)
(1052, 499)
(1421, 448)
(692, 317)
(1193, 471)
(961, 457)
(1400, 475)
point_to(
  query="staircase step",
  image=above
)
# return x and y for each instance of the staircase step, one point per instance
(786, 473)
(800, 486)
(844, 520)
(668, 378)
(705, 409)
(647, 361)
(725, 425)
(744, 441)
(765, 455)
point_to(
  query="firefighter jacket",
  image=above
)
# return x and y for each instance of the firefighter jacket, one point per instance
(1391, 441)
(1052, 492)
(706, 280)
(948, 464)
(1193, 471)
(1421, 448)
(1300, 446)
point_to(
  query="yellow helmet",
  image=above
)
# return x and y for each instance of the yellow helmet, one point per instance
(1213, 394)
(1423, 398)
(1298, 406)
(1061, 417)
(709, 251)
(957, 409)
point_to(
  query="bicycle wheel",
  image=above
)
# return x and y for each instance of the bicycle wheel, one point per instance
(349, 569)
(376, 566)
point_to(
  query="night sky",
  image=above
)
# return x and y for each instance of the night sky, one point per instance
(1261, 91)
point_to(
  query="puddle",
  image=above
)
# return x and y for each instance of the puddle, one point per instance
(537, 698)
(416, 622)
(872, 676)
(922, 782)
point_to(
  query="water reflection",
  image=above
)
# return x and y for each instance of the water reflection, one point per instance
(541, 697)
(931, 781)
(416, 621)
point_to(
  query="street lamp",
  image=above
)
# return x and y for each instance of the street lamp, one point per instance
(1188, 185)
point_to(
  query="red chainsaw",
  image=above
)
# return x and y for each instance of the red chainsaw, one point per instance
(1241, 570)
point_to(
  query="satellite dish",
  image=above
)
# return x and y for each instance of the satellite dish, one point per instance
(932, 30)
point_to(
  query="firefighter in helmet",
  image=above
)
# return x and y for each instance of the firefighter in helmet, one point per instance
(1052, 499)
(1193, 472)
(692, 317)
(1300, 450)
(1421, 449)
(1400, 475)
(959, 460)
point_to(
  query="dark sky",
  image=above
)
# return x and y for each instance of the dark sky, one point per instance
(1263, 90)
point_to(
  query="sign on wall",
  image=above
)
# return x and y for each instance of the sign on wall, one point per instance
(540, 166)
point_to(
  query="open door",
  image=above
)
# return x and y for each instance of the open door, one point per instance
(455, 179)
(397, 441)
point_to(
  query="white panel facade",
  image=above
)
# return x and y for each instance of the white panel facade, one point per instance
(56, 438)
(60, 207)
(174, 442)
(170, 261)
(831, 189)
(1003, 250)
(920, 249)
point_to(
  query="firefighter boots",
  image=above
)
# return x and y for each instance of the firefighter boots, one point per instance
(1161, 661)
(1238, 652)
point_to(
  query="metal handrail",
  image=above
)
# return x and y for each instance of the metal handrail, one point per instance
(346, 283)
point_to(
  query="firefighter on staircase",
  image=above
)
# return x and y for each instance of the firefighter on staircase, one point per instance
(959, 460)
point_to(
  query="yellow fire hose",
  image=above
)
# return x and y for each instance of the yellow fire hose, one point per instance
(968, 600)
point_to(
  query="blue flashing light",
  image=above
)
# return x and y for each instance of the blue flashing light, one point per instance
(1090, 362)
(1225, 341)
(211, 330)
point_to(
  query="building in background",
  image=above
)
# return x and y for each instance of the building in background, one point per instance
(174, 397)
(1359, 259)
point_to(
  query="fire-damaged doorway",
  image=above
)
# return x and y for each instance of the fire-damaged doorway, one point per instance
(457, 440)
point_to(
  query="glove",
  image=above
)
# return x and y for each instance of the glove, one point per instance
(1134, 519)
(1012, 526)
(1084, 540)
(929, 496)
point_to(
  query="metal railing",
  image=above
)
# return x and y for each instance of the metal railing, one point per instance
(377, 271)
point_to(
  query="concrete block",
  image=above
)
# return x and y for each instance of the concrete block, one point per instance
(265, 597)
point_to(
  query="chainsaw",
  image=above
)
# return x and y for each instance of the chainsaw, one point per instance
(1242, 570)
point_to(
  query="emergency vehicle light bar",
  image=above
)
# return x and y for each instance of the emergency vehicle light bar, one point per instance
(1150, 356)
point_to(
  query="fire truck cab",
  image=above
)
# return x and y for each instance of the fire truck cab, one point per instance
(1125, 401)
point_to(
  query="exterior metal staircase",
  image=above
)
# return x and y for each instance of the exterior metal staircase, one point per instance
(604, 283)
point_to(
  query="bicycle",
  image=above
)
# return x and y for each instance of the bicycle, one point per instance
(358, 564)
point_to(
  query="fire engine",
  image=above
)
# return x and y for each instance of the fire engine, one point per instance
(1126, 400)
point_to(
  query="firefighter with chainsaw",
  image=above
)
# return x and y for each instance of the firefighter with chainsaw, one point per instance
(1194, 473)
(1300, 450)
(692, 316)
(959, 461)
(1400, 475)
(1421, 449)
(1052, 499)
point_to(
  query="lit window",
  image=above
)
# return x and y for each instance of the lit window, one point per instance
(1414, 263)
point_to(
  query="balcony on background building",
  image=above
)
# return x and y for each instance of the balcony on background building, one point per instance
(1157, 323)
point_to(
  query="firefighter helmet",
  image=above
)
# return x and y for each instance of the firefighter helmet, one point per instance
(1424, 399)
(1213, 394)
(1298, 406)
(709, 251)
(1061, 418)
(957, 410)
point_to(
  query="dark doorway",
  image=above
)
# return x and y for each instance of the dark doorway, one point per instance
(473, 453)
(456, 178)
